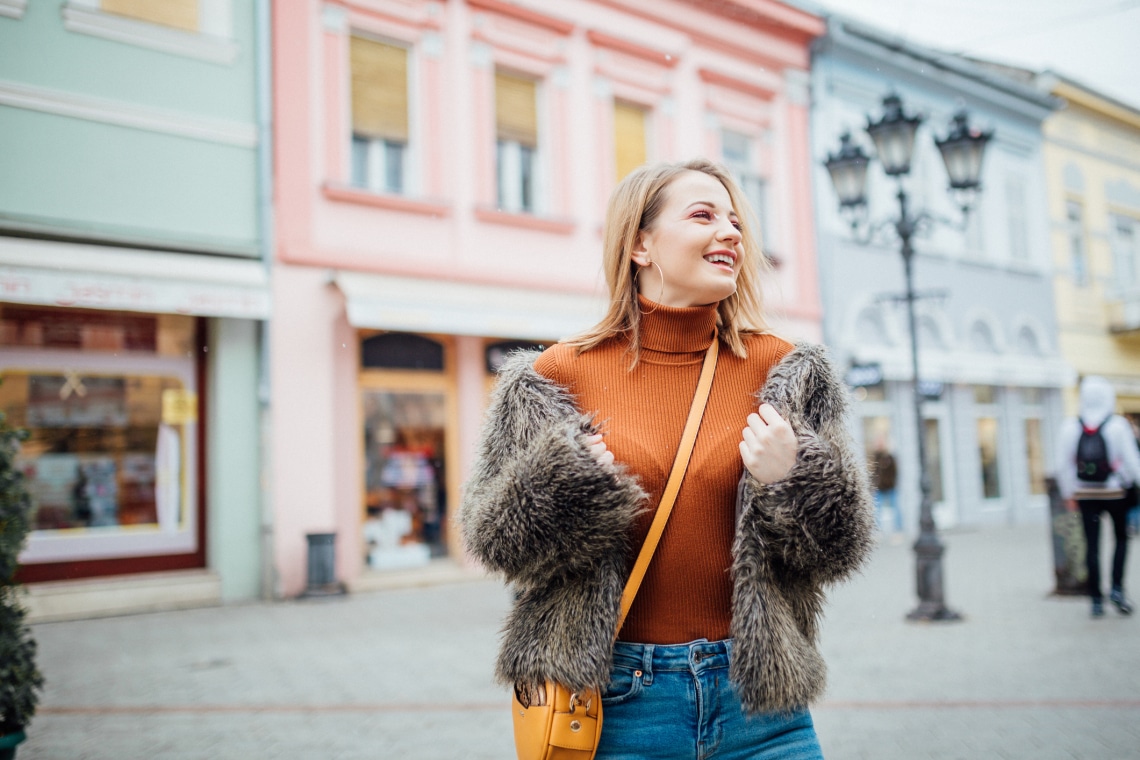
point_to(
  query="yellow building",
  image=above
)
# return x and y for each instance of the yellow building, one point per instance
(1092, 164)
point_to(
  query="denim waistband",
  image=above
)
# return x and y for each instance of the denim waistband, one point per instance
(695, 656)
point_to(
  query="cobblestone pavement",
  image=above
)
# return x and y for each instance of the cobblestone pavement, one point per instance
(407, 674)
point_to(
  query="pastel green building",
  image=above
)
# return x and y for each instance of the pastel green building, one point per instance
(133, 294)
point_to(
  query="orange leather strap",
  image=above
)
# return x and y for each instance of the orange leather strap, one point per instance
(673, 485)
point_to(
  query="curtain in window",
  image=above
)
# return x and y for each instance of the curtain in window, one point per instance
(379, 89)
(516, 112)
(180, 14)
(629, 138)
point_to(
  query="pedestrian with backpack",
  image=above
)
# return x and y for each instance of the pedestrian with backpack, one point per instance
(1098, 462)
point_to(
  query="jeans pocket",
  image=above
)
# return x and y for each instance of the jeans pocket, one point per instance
(625, 684)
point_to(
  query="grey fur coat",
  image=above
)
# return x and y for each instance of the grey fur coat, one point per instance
(540, 510)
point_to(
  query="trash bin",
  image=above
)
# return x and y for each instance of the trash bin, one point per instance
(1068, 537)
(322, 565)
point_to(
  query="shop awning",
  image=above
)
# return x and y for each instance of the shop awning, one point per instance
(409, 304)
(50, 273)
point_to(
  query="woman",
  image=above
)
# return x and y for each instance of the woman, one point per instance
(718, 654)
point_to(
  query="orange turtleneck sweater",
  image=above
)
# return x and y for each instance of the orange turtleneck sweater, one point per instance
(687, 591)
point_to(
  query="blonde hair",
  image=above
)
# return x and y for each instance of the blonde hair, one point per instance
(634, 206)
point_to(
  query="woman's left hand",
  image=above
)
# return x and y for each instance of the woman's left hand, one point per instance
(769, 446)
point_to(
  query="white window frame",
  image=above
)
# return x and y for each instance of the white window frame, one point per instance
(1075, 234)
(1016, 191)
(213, 42)
(1125, 252)
(510, 179)
(377, 165)
(377, 162)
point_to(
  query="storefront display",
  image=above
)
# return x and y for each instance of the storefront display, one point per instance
(405, 480)
(111, 405)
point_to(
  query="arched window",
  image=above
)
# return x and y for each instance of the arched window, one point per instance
(1027, 341)
(870, 328)
(929, 333)
(982, 338)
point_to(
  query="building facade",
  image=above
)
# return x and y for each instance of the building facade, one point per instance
(1092, 171)
(990, 362)
(132, 294)
(442, 175)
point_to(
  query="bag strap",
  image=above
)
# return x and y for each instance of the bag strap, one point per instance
(673, 485)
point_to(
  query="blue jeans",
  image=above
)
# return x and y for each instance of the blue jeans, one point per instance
(884, 500)
(677, 702)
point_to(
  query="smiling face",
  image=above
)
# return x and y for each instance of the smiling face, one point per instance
(695, 241)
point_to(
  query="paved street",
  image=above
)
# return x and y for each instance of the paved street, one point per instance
(407, 674)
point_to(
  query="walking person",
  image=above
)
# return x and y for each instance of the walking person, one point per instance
(1098, 464)
(884, 475)
(718, 653)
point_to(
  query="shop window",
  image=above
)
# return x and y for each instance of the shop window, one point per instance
(379, 115)
(180, 14)
(988, 446)
(985, 394)
(401, 351)
(630, 149)
(1035, 456)
(516, 142)
(405, 478)
(933, 442)
(110, 403)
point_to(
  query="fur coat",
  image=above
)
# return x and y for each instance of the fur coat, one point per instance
(540, 510)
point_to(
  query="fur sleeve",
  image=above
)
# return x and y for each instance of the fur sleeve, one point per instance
(537, 504)
(816, 523)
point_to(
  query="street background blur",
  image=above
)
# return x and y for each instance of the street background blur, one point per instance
(261, 259)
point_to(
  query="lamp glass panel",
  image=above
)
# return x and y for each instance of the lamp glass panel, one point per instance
(850, 179)
(895, 144)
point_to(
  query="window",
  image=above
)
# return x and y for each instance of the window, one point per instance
(1075, 230)
(1035, 456)
(516, 141)
(988, 442)
(630, 150)
(933, 441)
(985, 394)
(1124, 251)
(975, 233)
(405, 476)
(180, 14)
(1015, 207)
(379, 115)
(110, 403)
(738, 152)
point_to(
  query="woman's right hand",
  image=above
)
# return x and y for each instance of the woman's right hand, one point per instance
(597, 447)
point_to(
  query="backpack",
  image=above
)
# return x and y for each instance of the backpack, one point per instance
(1092, 455)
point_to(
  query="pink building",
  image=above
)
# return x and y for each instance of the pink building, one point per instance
(442, 170)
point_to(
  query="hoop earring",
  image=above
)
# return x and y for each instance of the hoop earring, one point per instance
(661, 294)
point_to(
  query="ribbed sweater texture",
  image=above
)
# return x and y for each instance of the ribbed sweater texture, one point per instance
(687, 591)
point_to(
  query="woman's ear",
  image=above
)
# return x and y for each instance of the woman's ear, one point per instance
(640, 252)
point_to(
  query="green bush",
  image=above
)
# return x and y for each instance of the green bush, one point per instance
(20, 680)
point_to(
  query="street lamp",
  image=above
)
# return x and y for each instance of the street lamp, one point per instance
(962, 151)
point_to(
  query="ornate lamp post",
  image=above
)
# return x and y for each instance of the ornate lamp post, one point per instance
(962, 151)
